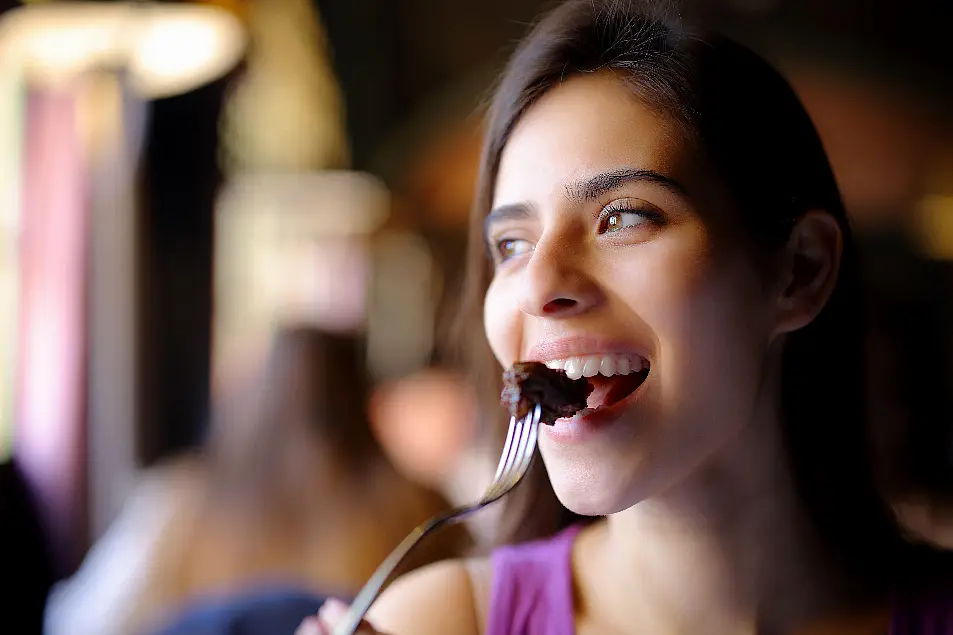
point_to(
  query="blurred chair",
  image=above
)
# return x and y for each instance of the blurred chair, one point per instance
(293, 491)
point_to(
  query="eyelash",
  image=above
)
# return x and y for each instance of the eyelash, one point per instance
(650, 215)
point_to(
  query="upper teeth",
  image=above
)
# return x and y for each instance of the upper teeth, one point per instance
(592, 365)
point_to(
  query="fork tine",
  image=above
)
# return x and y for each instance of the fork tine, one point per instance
(521, 449)
(530, 446)
(507, 449)
(527, 450)
(510, 455)
(523, 440)
(499, 485)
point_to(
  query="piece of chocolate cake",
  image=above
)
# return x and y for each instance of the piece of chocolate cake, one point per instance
(526, 384)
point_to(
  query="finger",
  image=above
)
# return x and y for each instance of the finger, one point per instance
(334, 612)
(310, 626)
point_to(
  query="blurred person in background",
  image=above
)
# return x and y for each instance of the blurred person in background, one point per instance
(292, 492)
(428, 425)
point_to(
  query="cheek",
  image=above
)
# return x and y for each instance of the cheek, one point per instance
(704, 308)
(715, 329)
(666, 283)
(501, 322)
(733, 299)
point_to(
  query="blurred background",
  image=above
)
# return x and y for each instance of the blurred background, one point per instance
(205, 204)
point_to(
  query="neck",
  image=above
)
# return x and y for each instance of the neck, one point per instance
(731, 547)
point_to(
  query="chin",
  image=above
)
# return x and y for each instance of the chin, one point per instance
(594, 494)
(587, 505)
(597, 481)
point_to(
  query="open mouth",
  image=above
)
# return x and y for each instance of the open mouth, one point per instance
(613, 377)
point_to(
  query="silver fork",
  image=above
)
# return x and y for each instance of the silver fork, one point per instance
(518, 452)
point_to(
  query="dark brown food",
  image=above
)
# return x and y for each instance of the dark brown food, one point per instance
(526, 384)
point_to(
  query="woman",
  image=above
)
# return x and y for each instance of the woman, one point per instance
(656, 196)
(294, 492)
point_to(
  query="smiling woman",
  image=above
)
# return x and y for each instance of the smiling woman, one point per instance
(654, 198)
(657, 284)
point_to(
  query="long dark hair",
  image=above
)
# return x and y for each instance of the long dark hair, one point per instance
(753, 129)
(309, 402)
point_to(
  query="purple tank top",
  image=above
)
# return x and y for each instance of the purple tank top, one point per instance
(532, 594)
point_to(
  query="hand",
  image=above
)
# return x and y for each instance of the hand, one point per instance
(327, 619)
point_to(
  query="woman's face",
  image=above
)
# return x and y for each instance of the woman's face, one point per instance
(613, 252)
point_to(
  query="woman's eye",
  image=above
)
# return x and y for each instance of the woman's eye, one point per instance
(510, 247)
(613, 220)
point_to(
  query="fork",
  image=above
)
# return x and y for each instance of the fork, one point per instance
(518, 452)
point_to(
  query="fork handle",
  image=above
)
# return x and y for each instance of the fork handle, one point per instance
(369, 593)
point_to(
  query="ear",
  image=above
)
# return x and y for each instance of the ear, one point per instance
(808, 272)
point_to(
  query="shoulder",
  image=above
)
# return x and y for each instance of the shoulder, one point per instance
(446, 597)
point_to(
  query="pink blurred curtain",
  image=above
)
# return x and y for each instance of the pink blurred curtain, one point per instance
(49, 433)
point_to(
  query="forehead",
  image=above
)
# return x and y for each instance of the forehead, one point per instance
(586, 125)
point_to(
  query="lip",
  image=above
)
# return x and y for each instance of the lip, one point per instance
(580, 346)
(579, 429)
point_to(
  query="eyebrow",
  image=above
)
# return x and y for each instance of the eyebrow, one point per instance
(513, 211)
(594, 187)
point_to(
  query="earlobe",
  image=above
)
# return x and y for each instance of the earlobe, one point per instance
(809, 270)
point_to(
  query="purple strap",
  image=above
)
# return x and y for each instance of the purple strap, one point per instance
(532, 588)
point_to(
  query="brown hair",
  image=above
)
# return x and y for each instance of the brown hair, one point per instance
(753, 130)
(309, 401)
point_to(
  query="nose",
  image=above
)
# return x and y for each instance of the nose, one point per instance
(556, 283)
